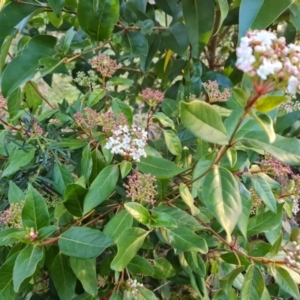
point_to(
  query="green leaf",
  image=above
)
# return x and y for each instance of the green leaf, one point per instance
(15, 194)
(227, 281)
(221, 196)
(188, 199)
(85, 271)
(26, 264)
(248, 12)
(269, 102)
(116, 296)
(199, 20)
(276, 246)
(61, 177)
(264, 222)
(173, 142)
(145, 294)
(139, 212)
(264, 191)
(120, 81)
(186, 240)
(136, 44)
(176, 38)
(129, 242)
(67, 39)
(183, 219)
(153, 48)
(196, 263)
(118, 224)
(140, 265)
(224, 9)
(50, 65)
(162, 268)
(4, 236)
(73, 199)
(119, 107)
(98, 22)
(63, 277)
(102, 186)
(4, 50)
(125, 168)
(203, 121)
(253, 285)
(269, 12)
(56, 6)
(163, 120)
(83, 242)
(159, 167)
(17, 160)
(47, 231)
(14, 104)
(160, 219)
(285, 281)
(27, 63)
(86, 163)
(98, 164)
(287, 150)
(33, 96)
(35, 212)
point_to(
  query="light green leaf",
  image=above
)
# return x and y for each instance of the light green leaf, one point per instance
(173, 142)
(269, 102)
(118, 224)
(203, 121)
(159, 167)
(119, 107)
(276, 246)
(35, 212)
(86, 163)
(139, 212)
(73, 199)
(83, 242)
(224, 9)
(129, 242)
(98, 23)
(120, 81)
(186, 240)
(26, 264)
(145, 294)
(253, 285)
(221, 196)
(15, 194)
(102, 186)
(160, 219)
(188, 199)
(162, 268)
(85, 271)
(61, 177)
(63, 277)
(67, 39)
(163, 120)
(47, 231)
(227, 281)
(196, 263)
(125, 168)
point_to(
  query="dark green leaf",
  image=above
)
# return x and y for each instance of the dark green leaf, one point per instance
(15, 194)
(61, 177)
(86, 163)
(162, 268)
(56, 5)
(73, 199)
(136, 44)
(47, 231)
(227, 281)
(119, 107)
(196, 263)
(140, 265)
(33, 96)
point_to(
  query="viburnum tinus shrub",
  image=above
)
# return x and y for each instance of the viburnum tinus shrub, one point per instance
(173, 171)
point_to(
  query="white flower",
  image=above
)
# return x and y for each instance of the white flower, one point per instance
(265, 37)
(293, 84)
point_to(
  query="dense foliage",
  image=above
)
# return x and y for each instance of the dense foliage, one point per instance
(174, 174)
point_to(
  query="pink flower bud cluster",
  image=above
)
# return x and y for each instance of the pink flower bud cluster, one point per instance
(111, 122)
(292, 260)
(32, 235)
(3, 102)
(128, 142)
(88, 119)
(105, 65)
(12, 217)
(214, 94)
(152, 97)
(262, 54)
(35, 130)
(274, 166)
(141, 187)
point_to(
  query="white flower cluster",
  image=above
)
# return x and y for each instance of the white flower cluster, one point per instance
(262, 54)
(134, 285)
(128, 141)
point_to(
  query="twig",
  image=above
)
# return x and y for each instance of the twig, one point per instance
(39, 93)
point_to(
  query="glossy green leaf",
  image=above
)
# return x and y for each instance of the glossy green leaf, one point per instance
(188, 199)
(159, 167)
(246, 208)
(135, 44)
(203, 121)
(5, 234)
(4, 51)
(98, 164)
(86, 163)
(129, 242)
(227, 281)
(176, 38)
(125, 168)
(264, 222)
(140, 265)
(120, 81)
(163, 120)
(196, 263)
(63, 277)
(139, 212)
(285, 281)
(264, 191)
(162, 268)
(118, 224)
(119, 107)
(47, 231)
(73, 199)
(15, 194)
(102, 186)
(85, 271)
(83, 242)
(61, 177)
(173, 142)
(39, 46)
(276, 246)
(57, 6)
(269, 102)
(224, 9)
(146, 294)
(33, 96)
(199, 19)
(67, 39)
(160, 219)
(184, 239)
(253, 285)
(98, 23)
(26, 264)
(14, 106)
(221, 196)
(17, 160)
(35, 212)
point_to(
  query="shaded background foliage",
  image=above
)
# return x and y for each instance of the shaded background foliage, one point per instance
(73, 233)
